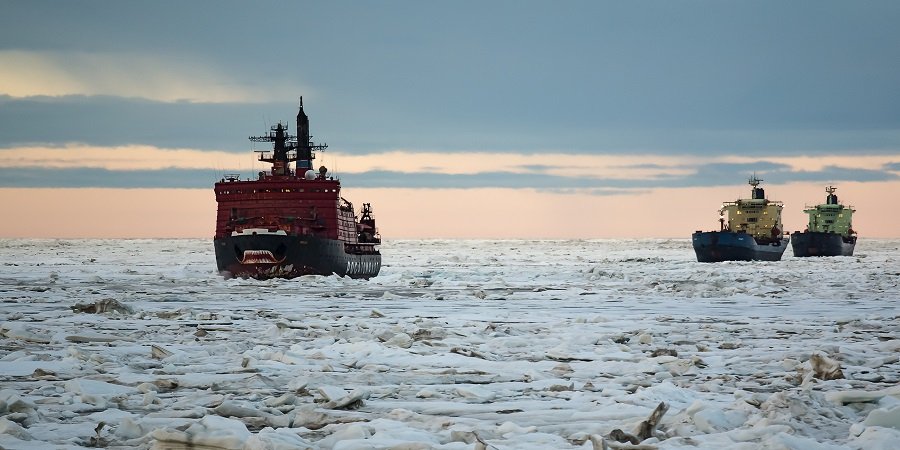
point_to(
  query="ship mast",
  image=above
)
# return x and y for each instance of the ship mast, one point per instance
(288, 148)
(305, 146)
(284, 151)
(831, 199)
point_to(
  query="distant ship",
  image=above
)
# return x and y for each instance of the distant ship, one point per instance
(288, 223)
(753, 231)
(830, 230)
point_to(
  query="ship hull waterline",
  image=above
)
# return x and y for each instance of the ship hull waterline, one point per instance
(816, 243)
(266, 256)
(718, 246)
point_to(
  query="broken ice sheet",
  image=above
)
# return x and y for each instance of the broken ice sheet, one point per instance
(324, 362)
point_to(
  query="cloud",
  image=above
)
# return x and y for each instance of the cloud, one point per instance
(126, 157)
(604, 173)
(165, 78)
(833, 173)
(696, 78)
(360, 128)
(597, 191)
(91, 177)
(116, 121)
(718, 174)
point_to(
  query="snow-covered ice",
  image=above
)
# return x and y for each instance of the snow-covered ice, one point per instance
(456, 345)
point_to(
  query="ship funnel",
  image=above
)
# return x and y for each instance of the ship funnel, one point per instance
(832, 198)
(758, 192)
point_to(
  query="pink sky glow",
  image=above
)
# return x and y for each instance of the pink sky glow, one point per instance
(441, 213)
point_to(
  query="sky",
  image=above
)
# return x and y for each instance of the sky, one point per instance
(465, 119)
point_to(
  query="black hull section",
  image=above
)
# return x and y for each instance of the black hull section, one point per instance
(812, 243)
(264, 256)
(717, 246)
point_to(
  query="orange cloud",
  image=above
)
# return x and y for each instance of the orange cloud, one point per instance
(144, 157)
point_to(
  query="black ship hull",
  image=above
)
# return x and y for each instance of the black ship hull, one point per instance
(814, 243)
(264, 256)
(717, 246)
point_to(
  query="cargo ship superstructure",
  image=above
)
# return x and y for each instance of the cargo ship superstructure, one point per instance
(287, 223)
(752, 231)
(830, 229)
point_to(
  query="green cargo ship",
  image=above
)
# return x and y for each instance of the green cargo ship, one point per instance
(830, 229)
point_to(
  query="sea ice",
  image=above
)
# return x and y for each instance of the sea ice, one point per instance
(211, 431)
(457, 345)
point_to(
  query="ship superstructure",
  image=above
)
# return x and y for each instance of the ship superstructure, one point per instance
(752, 230)
(292, 222)
(829, 231)
(757, 216)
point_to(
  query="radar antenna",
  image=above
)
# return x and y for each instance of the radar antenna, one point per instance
(284, 151)
(754, 181)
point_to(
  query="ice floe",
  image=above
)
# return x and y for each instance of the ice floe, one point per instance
(456, 345)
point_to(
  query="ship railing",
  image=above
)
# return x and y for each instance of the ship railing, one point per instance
(268, 173)
(361, 249)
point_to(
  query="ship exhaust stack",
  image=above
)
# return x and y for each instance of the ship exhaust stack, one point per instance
(758, 192)
(832, 198)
